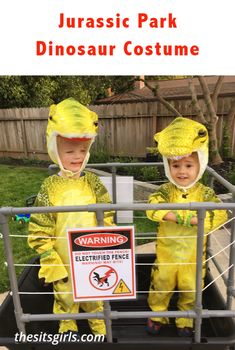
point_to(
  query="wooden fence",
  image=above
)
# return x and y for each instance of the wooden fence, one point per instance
(22, 133)
(124, 129)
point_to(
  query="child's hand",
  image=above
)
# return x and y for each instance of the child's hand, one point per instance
(193, 221)
(170, 216)
(176, 217)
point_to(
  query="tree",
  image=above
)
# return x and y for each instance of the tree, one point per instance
(208, 117)
(12, 92)
(42, 91)
(70, 86)
(20, 91)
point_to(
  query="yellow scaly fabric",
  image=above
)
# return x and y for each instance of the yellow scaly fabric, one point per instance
(175, 264)
(71, 120)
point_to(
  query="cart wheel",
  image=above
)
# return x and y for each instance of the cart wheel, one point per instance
(21, 221)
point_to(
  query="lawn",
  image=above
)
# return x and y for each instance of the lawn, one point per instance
(17, 183)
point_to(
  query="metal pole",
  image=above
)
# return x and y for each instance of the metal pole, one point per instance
(12, 274)
(122, 206)
(211, 181)
(208, 250)
(108, 322)
(221, 180)
(198, 302)
(218, 267)
(115, 315)
(107, 307)
(231, 280)
(100, 217)
(114, 188)
(114, 184)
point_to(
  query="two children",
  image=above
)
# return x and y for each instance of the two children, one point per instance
(70, 132)
(184, 147)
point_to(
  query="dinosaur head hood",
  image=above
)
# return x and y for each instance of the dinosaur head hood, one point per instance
(71, 120)
(180, 139)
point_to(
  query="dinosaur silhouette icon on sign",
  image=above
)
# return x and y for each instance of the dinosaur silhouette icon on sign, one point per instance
(104, 279)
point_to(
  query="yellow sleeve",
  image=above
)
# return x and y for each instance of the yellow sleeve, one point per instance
(42, 239)
(161, 196)
(102, 196)
(214, 218)
(42, 226)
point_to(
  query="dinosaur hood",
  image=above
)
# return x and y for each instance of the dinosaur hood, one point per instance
(72, 120)
(180, 139)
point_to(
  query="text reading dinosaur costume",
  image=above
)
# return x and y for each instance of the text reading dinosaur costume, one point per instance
(68, 119)
(176, 242)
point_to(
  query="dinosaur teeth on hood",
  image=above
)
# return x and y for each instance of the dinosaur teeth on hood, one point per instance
(179, 157)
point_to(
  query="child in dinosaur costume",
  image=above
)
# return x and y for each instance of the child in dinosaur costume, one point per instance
(70, 132)
(184, 147)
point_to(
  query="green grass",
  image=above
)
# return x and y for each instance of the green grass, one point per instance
(143, 225)
(17, 183)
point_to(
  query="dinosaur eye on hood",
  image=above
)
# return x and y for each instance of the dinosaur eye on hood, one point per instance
(202, 133)
(96, 124)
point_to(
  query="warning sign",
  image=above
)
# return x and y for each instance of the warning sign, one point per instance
(102, 261)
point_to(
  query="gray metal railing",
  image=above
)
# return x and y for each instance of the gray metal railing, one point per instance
(198, 313)
(108, 315)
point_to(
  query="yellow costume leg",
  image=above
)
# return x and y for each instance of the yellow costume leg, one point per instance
(163, 278)
(63, 303)
(97, 325)
(187, 281)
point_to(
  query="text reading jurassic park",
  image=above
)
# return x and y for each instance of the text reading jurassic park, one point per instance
(144, 24)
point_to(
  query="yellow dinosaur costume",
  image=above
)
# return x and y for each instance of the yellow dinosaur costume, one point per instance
(71, 120)
(180, 138)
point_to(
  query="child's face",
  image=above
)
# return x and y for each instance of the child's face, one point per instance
(184, 171)
(72, 153)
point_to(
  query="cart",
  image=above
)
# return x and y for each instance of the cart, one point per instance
(213, 314)
(217, 332)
